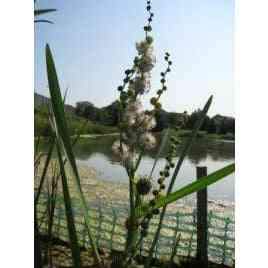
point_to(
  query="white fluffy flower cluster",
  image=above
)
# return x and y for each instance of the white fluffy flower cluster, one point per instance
(141, 83)
(146, 63)
(121, 150)
(137, 123)
(136, 118)
(148, 141)
(148, 60)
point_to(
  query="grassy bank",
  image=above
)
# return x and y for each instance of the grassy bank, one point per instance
(203, 134)
(76, 125)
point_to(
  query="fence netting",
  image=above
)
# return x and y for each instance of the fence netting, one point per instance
(108, 228)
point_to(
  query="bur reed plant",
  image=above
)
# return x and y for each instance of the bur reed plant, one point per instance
(149, 195)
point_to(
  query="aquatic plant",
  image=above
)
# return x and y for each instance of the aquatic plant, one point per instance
(148, 195)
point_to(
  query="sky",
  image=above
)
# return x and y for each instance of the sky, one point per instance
(93, 42)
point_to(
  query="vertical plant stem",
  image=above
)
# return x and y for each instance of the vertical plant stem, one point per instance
(132, 228)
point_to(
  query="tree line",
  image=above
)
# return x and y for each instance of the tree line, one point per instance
(108, 116)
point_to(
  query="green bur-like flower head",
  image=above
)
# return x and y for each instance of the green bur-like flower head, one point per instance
(144, 186)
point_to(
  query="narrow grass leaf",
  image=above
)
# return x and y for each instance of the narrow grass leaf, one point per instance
(44, 171)
(184, 152)
(69, 214)
(64, 137)
(196, 186)
(189, 143)
(44, 21)
(38, 12)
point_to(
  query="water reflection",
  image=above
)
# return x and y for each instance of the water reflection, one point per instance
(201, 150)
(96, 152)
(217, 150)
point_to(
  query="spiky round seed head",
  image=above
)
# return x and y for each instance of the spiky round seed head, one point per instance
(148, 8)
(156, 211)
(149, 39)
(127, 72)
(168, 69)
(130, 93)
(160, 180)
(155, 192)
(145, 224)
(158, 106)
(172, 165)
(170, 63)
(149, 28)
(162, 186)
(167, 54)
(164, 88)
(161, 173)
(152, 202)
(144, 186)
(166, 58)
(163, 80)
(153, 101)
(167, 167)
(159, 92)
(120, 88)
(162, 74)
(126, 80)
(166, 174)
(150, 19)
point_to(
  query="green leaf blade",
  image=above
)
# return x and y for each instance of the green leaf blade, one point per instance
(64, 139)
(39, 12)
(196, 186)
(69, 214)
(189, 189)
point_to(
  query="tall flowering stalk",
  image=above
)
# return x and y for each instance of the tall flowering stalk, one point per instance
(136, 125)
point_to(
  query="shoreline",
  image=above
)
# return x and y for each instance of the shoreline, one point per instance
(184, 134)
(116, 193)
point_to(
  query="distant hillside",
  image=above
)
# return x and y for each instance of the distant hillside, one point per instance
(76, 124)
(40, 100)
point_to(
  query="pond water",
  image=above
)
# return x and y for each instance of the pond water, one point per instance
(96, 152)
